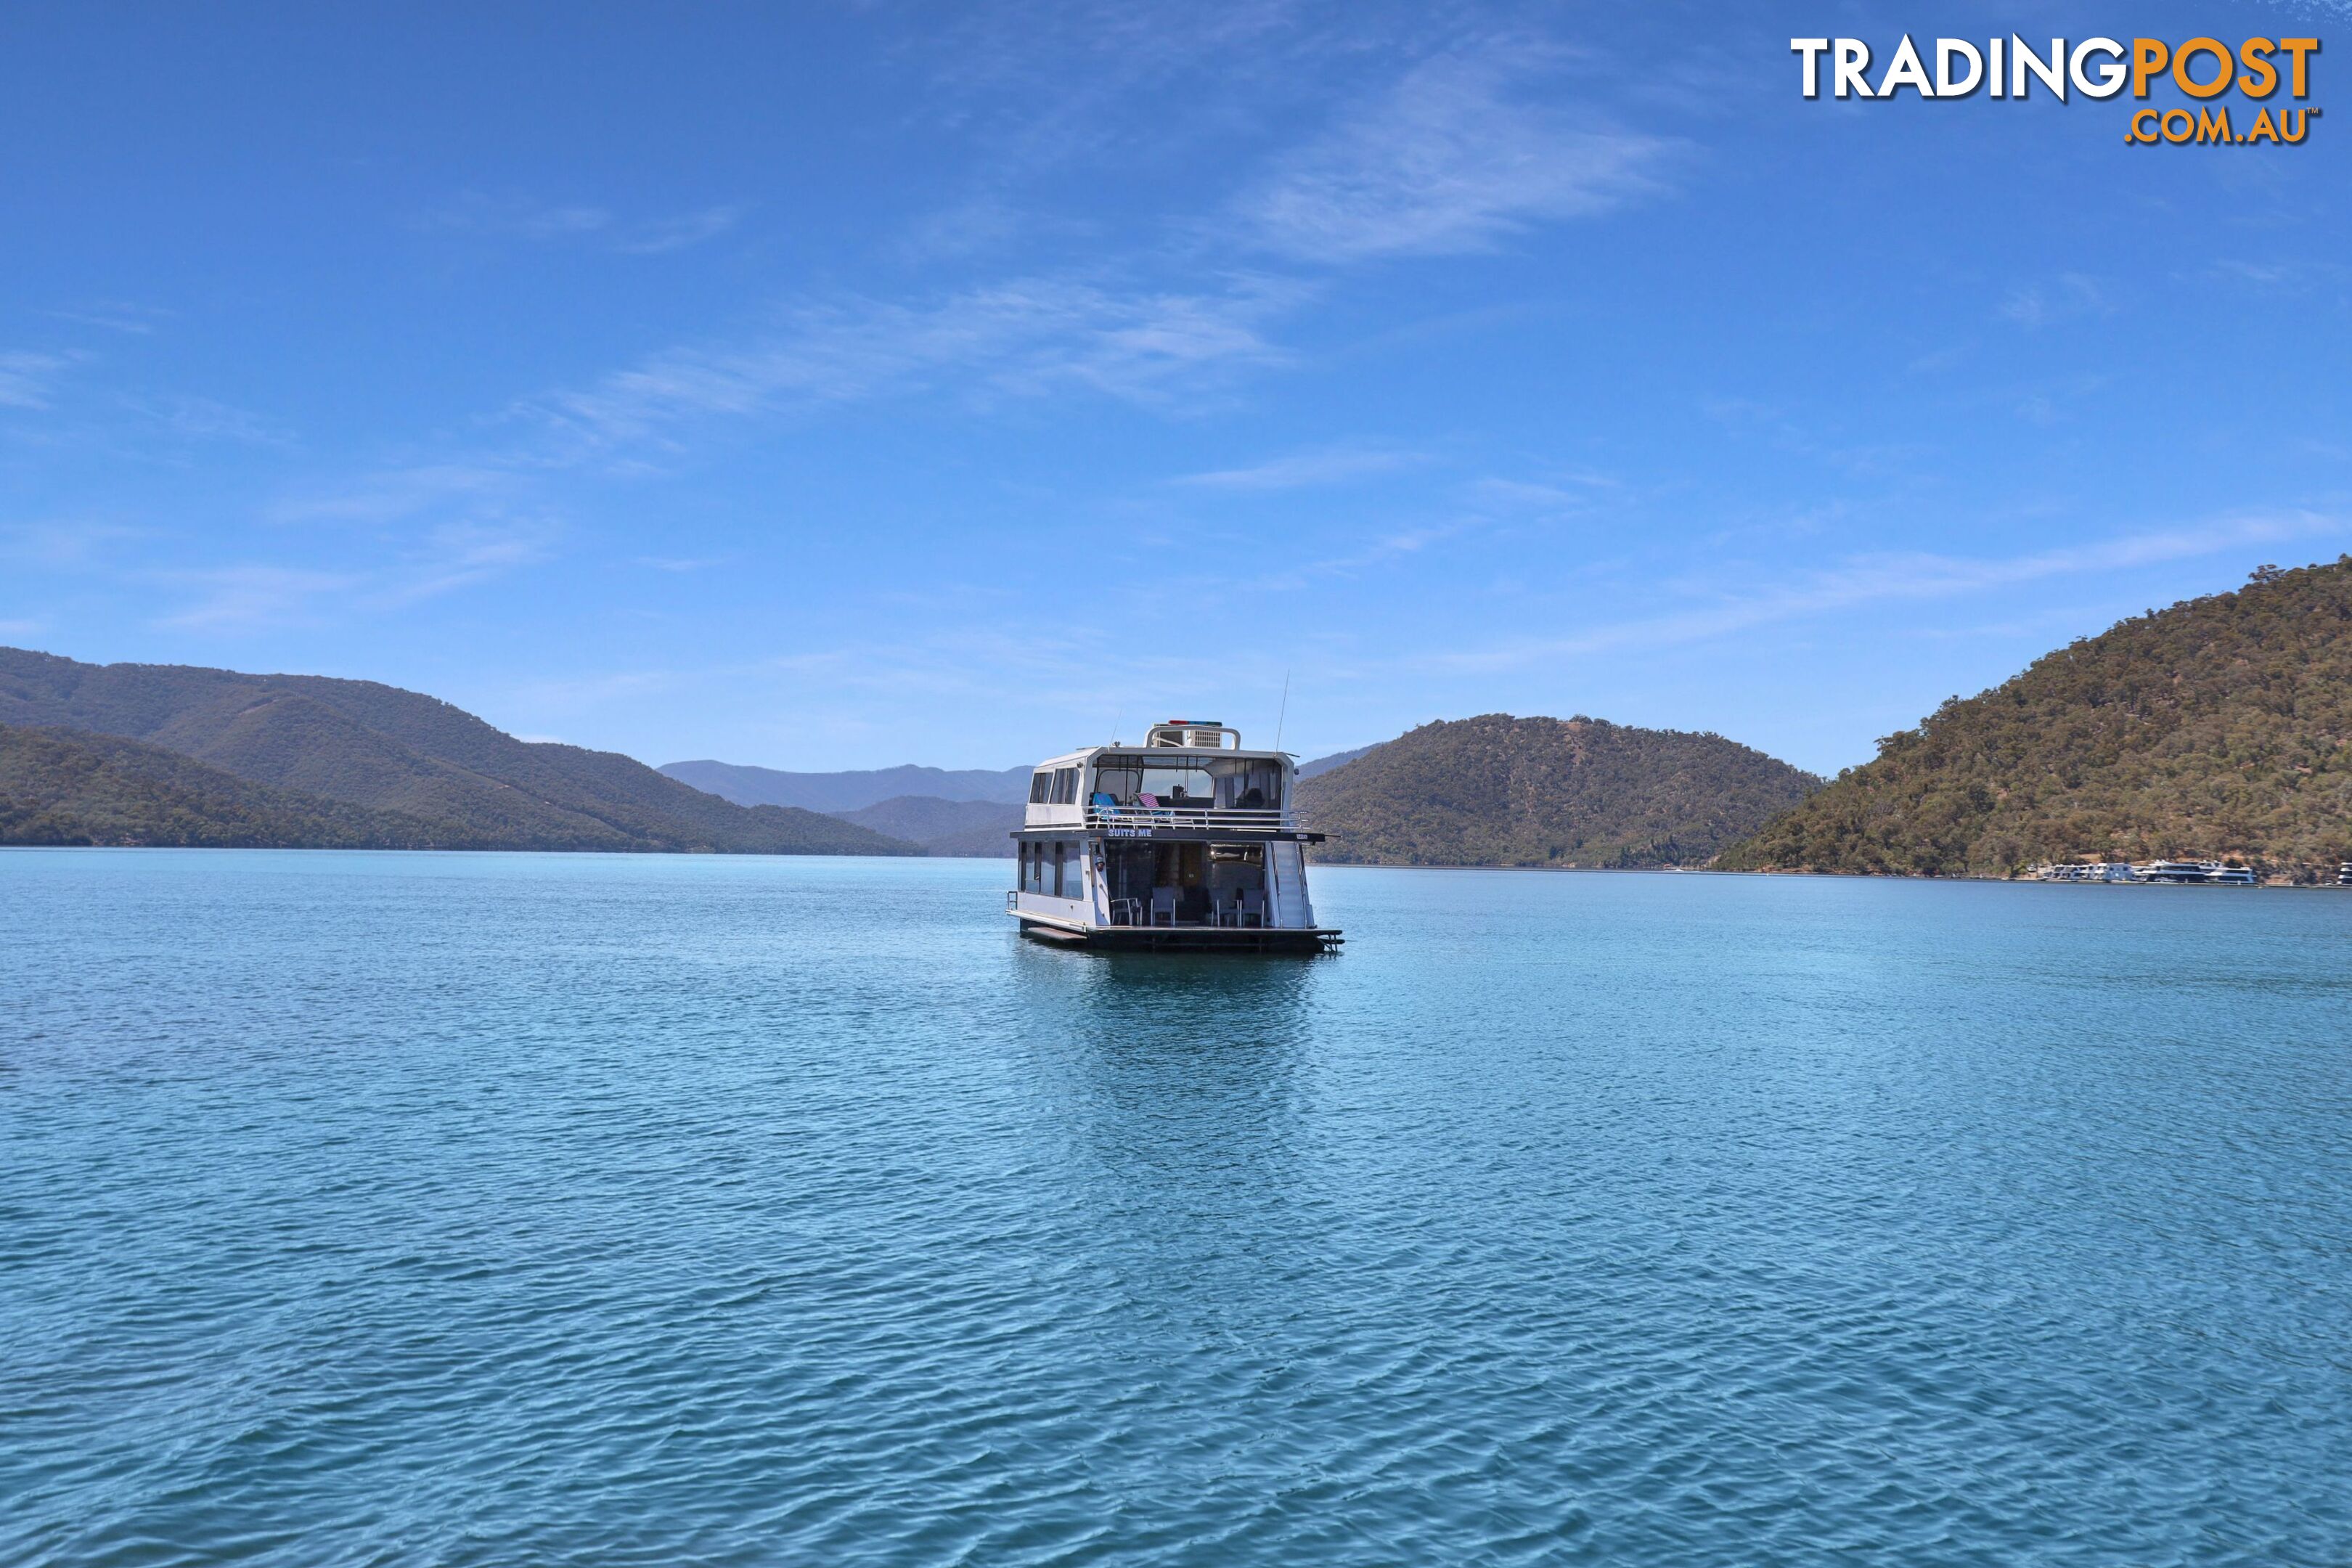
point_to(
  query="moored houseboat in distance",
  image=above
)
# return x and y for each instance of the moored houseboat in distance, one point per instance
(2208, 873)
(2086, 871)
(2190, 873)
(1185, 842)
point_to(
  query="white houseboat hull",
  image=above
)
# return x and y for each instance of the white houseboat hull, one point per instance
(1184, 844)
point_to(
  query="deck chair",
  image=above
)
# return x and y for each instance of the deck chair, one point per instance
(1163, 901)
(1249, 906)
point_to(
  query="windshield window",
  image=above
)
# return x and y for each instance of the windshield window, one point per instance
(1179, 779)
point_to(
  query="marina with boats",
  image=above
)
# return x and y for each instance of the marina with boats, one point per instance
(1186, 842)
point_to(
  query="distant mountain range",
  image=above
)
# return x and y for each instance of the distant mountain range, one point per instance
(847, 792)
(2220, 727)
(967, 811)
(1503, 791)
(971, 828)
(287, 759)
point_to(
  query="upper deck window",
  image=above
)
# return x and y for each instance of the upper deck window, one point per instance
(1054, 787)
(1224, 783)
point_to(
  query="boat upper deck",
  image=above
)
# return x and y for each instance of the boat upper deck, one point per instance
(1188, 778)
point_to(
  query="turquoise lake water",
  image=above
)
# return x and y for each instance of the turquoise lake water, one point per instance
(620, 1210)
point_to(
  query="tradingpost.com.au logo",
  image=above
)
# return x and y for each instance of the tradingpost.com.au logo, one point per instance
(2204, 69)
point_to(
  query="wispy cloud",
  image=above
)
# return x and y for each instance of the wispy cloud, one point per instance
(205, 420)
(969, 226)
(113, 316)
(1026, 336)
(518, 217)
(2069, 295)
(681, 233)
(392, 495)
(245, 598)
(257, 595)
(2288, 275)
(1936, 362)
(461, 554)
(1302, 471)
(62, 545)
(27, 378)
(1456, 157)
(1522, 494)
(1807, 436)
(1876, 578)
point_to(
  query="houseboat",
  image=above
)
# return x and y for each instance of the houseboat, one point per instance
(2086, 871)
(1185, 842)
(2210, 873)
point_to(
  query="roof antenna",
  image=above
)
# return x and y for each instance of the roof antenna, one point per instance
(1285, 714)
(1116, 717)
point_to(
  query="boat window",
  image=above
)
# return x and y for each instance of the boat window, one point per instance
(1254, 783)
(1066, 786)
(1119, 777)
(1070, 869)
(1247, 783)
(1181, 780)
(1040, 783)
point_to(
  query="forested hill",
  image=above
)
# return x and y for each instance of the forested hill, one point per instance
(2220, 727)
(384, 750)
(76, 787)
(1501, 791)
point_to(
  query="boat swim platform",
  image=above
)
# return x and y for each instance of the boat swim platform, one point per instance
(1182, 939)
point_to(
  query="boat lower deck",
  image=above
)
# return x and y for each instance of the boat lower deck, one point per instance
(1181, 938)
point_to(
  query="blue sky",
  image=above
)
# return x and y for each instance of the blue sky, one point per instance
(842, 385)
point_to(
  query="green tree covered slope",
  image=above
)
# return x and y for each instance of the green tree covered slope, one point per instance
(70, 786)
(1501, 791)
(385, 750)
(2217, 728)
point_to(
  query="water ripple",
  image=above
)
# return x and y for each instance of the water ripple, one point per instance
(487, 1209)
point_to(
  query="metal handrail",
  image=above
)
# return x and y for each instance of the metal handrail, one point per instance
(1251, 819)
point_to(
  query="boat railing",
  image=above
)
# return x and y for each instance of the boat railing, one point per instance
(1241, 819)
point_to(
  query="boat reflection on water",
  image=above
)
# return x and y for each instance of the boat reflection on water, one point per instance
(1181, 1091)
